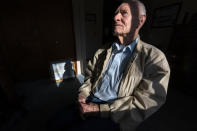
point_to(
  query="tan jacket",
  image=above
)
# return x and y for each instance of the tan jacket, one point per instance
(143, 88)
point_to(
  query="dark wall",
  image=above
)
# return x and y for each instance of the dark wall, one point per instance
(182, 55)
(34, 33)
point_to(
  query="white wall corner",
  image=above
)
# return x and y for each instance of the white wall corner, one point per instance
(79, 32)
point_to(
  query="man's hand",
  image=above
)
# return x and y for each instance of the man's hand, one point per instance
(87, 108)
(81, 99)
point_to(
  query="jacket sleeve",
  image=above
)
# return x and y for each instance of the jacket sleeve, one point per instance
(85, 89)
(93, 70)
(145, 99)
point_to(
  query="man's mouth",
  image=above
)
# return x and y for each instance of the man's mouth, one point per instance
(117, 25)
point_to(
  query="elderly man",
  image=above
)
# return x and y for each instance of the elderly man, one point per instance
(127, 80)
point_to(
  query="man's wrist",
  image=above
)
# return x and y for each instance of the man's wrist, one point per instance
(104, 110)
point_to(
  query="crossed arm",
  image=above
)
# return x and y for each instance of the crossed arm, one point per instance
(144, 101)
(87, 107)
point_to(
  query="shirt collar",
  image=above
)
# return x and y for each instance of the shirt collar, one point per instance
(117, 46)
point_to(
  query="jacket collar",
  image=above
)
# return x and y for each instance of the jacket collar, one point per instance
(117, 46)
(136, 51)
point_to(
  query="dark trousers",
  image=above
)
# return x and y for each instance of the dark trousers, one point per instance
(68, 119)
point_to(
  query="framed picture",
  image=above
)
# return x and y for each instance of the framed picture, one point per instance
(166, 16)
(62, 70)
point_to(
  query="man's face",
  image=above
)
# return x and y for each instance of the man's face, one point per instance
(122, 20)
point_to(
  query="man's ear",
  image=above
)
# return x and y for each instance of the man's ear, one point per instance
(142, 19)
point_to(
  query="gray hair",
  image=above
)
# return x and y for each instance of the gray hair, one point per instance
(139, 4)
(142, 8)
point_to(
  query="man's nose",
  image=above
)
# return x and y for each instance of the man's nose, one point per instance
(117, 17)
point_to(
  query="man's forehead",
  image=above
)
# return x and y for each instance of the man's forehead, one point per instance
(124, 6)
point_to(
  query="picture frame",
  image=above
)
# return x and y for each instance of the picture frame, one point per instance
(166, 16)
(62, 70)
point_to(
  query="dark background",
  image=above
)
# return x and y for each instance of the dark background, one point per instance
(34, 33)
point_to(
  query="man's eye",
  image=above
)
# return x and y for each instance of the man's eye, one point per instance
(124, 13)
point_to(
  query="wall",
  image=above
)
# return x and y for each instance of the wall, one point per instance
(93, 26)
(35, 33)
(161, 37)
